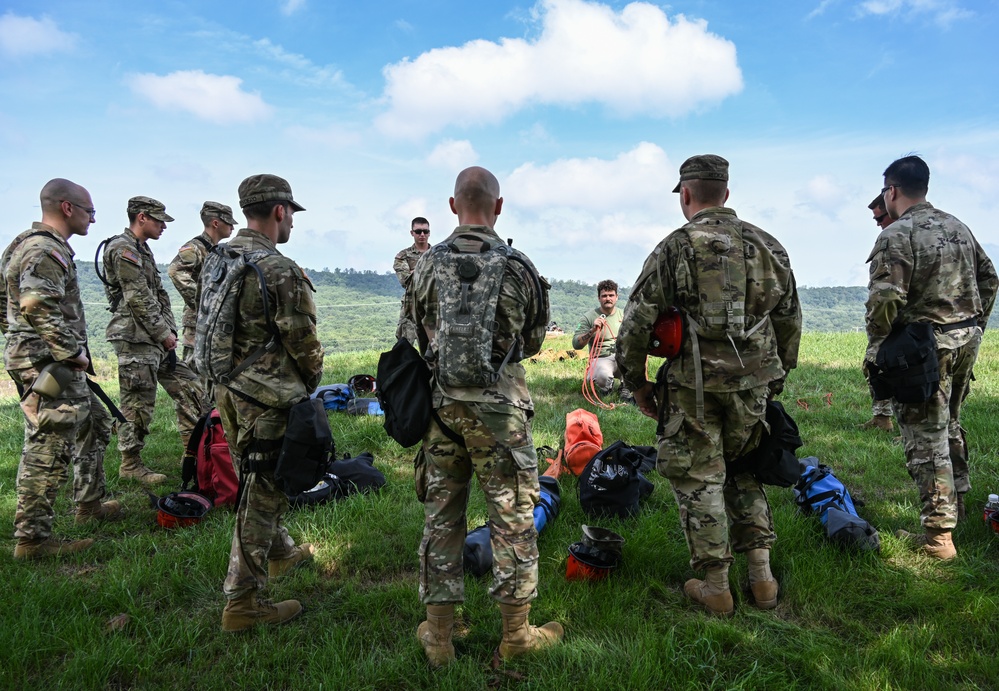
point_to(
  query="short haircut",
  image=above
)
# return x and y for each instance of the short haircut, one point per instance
(207, 217)
(878, 203)
(606, 285)
(910, 174)
(419, 220)
(707, 191)
(58, 190)
(262, 210)
(132, 215)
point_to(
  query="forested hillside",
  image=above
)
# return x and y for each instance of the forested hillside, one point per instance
(358, 310)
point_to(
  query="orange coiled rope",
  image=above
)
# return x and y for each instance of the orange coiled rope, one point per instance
(590, 392)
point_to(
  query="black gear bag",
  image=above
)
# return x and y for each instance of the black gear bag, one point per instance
(404, 393)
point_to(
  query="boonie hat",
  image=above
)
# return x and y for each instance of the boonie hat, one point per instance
(150, 207)
(265, 188)
(219, 211)
(703, 167)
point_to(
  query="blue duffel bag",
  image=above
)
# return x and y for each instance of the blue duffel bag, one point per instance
(819, 492)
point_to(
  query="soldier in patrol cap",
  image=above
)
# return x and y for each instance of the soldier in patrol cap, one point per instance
(185, 272)
(928, 267)
(144, 336)
(480, 430)
(881, 412)
(66, 424)
(254, 404)
(735, 354)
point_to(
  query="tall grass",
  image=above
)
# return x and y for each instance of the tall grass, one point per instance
(893, 620)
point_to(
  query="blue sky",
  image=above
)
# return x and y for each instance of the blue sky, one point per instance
(583, 110)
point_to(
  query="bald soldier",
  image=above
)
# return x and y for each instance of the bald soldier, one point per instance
(144, 336)
(927, 267)
(733, 284)
(881, 412)
(479, 429)
(185, 272)
(65, 424)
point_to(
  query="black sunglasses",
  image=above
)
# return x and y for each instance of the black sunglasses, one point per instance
(878, 219)
(421, 231)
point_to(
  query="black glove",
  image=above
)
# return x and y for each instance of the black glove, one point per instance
(775, 388)
(171, 360)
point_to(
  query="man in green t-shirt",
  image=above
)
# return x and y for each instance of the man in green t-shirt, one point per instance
(606, 321)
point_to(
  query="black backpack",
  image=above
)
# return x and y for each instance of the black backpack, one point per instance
(906, 365)
(404, 393)
(773, 462)
(611, 483)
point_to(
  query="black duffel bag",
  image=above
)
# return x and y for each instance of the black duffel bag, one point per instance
(611, 483)
(307, 448)
(773, 461)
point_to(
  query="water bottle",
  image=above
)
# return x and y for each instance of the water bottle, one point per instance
(991, 507)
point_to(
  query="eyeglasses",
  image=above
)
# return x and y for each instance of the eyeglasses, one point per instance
(92, 212)
(878, 219)
(421, 231)
(886, 188)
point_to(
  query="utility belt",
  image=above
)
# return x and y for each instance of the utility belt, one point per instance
(944, 328)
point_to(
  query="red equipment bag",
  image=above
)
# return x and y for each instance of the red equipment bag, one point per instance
(208, 463)
(583, 440)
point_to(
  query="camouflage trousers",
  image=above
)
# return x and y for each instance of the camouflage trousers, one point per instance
(140, 367)
(881, 406)
(936, 453)
(406, 328)
(603, 373)
(71, 430)
(499, 450)
(718, 512)
(254, 435)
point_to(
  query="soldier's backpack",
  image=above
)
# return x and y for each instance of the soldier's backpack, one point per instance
(469, 275)
(612, 483)
(207, 462)
(222, 278)
(819, 492)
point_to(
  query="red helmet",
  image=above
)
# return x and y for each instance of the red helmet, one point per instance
(667, 334)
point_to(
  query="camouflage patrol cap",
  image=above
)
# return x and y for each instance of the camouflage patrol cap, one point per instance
(266, 188)
(219, 211)
(703, 167)
(878, 203)
(150, 207)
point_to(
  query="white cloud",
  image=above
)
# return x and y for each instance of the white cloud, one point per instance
(632, 61)
(820, 8)
(21, 36)
(822, 193)
(642, 177)
(977, 173)
(290, 7)
(942, 12)
(215, 98)
(453, 155)
(299, 68)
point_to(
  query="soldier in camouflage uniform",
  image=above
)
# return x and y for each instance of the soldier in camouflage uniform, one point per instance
(489, 435)
(44, 323)
(405, 262)
(881, 412)
(254, 405)
(928, 267)
(144, 336)
(185, 272)
(717, 390)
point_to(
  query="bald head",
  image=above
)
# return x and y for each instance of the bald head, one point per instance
(476, 197)
(60, 190)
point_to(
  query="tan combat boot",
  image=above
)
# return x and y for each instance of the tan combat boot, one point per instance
(248, 610)
(882, 422)
(935, 543)
(132, 468)
(299, 555)
(761, 580)
(712, 592)
(87, 511)
(434, 634)
(39, 548)
(520, 637)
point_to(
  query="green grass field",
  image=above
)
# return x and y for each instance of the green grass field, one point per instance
(893, 620)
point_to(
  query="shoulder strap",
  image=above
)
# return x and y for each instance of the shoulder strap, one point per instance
(274, 340)
(207, 245)
(189, 471)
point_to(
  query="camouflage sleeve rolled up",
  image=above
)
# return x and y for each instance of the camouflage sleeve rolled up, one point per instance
(650, 296)
(295, 318)
(42, 282)
(184, 272)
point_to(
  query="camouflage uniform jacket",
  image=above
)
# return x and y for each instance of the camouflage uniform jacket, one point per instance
(928, 267)
(286, 376)
(610, 330)
(404, 264)
(765, 355)
(517, 308)
(143, 315)
(44, 308)
(185, 272)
